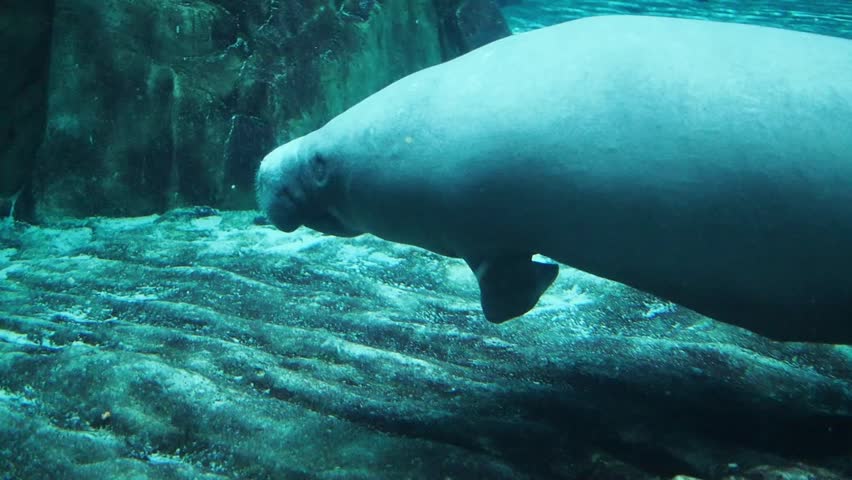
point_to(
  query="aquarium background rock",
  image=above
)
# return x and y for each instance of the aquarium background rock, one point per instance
(25, 32)
(199, 344)
(135, 107)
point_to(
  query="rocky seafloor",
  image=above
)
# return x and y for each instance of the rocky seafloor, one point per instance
(199, 344)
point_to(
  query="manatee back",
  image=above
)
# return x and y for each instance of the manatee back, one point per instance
(708, 163)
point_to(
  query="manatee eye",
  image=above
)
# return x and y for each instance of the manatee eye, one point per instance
(318, 167)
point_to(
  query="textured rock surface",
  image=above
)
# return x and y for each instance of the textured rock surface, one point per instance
(471, 24)
(196, 345)
(157, 103)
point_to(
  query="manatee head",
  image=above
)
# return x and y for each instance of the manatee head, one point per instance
(296, 186)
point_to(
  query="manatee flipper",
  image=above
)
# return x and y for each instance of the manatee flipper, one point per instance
(510, 286)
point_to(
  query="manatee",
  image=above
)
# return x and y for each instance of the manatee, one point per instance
(707, 163)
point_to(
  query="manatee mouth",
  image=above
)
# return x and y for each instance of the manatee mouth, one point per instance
(284, 211)
(329, 224)
(287, 213)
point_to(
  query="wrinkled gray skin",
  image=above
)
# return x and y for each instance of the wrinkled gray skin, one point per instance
(707, 163)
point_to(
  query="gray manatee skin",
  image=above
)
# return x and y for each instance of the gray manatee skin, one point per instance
(707, 163)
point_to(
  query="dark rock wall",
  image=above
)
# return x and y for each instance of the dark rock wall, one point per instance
(153, 104)
(479, 22)
(24, 47)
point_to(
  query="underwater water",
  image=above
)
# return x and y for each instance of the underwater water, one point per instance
(205, 344)
(827, 17)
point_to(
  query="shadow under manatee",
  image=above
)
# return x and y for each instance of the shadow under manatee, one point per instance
(695, 431)
(658, 408)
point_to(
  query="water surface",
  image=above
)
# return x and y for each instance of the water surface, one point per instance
(818, 16)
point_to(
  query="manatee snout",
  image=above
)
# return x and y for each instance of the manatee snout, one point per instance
(294, 188)
(280, 195)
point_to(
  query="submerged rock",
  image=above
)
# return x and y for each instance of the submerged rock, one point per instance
(480, 22)
(211, 347)
(789, 472)
(25, 33)
(131, 108)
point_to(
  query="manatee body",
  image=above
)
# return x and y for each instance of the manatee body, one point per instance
(707, 163)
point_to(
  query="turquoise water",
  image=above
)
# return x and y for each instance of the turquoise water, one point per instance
(825, 17)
